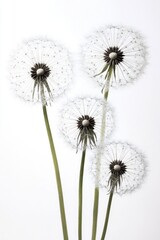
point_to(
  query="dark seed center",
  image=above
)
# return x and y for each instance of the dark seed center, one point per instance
(40, 71)
(117, 168)
(85, 122)
(113, 54)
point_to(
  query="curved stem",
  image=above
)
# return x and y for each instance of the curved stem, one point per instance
(57, 173)
(80, 196)
(107, 215)
(95, 213)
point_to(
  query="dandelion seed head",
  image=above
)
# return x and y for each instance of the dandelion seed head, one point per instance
(81, 118)
(121, 167)
(40, 71)
(118, 46)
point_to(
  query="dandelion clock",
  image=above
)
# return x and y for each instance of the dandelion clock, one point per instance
(121, 170)
(41, 71)
(114, 56)
(81, 121)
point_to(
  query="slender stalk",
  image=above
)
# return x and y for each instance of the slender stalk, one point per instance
(107, 85)
(95, 213)
(57, 173)
(107, 215)
(80, 203)
(96, 191)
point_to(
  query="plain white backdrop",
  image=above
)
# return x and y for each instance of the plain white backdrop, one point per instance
(28, 197)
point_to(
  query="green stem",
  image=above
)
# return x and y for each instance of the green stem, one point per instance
(81, 191)
(96, 192)
(57, 173)
(95, 213)
(110, 70)
(108, 78)
(107, 215)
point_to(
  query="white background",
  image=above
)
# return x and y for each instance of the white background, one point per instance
(28, 197)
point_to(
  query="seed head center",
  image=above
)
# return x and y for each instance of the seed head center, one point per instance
(113, 55)
(85, 123)
(40, 71)
(117, 167)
